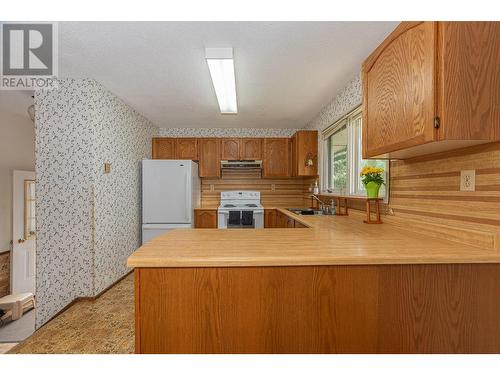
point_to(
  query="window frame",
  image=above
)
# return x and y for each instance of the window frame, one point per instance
(354, 155)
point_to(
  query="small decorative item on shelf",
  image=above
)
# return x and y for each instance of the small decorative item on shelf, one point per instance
(316, 188)
(372, 180)
(309, 160)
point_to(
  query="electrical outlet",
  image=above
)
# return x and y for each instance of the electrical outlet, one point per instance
(468, 180)
(273, 187)
(212, 187)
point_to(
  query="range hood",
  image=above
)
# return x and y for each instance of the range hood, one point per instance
(241, 164)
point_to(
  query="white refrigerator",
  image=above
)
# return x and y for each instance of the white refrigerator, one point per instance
(170, 191)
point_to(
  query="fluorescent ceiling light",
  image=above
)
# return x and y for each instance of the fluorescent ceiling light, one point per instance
(221, 65)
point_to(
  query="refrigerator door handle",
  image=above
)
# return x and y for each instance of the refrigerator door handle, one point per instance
(187, 197)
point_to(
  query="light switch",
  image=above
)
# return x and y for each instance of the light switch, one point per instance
(107, 167)
(468, 180)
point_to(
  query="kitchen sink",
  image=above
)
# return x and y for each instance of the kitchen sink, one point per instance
(308, 211)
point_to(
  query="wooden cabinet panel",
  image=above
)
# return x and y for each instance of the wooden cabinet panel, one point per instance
(205, 218)
(230, 149)
(209, 155)
(276, 157)
(281, 220)
(163, 148)
(432, 87)
(290, 223)
(470, 84)
(251, 148)
(186, 148)
(269, 218)
(304, 147)
(300, 225)
(434, 308)
(399, 88)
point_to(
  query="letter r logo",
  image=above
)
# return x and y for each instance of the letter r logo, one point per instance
(27, 49)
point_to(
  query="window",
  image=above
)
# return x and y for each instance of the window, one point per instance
(344, 160)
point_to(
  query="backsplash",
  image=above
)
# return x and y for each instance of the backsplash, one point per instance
(222, 132)
(425, 194)
(87, 222)
(275, 192)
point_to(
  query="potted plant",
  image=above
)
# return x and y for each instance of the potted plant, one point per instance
(372, 180)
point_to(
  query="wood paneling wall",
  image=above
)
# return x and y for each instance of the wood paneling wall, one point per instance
(4, 273)
(425, 194)
(282, 192)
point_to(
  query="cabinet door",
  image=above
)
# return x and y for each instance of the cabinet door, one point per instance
(186, 148)
(251, 148)
(269, 218)
(299, 225)
(280, 219)
(275, 162)
(230, 149)
(290, 223)
(163, 148)
(469, 80)
(304, 149)
(205, 219)
(399, 90)
(209, 155)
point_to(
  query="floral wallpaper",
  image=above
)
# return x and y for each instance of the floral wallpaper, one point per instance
(350, 97)
(88, 222)
(123, 138)
(222, 132)
(347, 99)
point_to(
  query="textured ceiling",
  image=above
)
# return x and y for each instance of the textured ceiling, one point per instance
(285, 71)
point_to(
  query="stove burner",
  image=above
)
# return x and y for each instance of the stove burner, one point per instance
(251, 205)
(229, 205)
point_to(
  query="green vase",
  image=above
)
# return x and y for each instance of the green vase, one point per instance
(372, 189)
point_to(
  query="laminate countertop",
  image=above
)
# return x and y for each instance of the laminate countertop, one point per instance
(329, 240)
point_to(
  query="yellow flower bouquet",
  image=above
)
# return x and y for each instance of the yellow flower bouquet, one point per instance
(372, 180)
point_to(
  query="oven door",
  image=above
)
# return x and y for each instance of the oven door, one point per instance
(236, 219)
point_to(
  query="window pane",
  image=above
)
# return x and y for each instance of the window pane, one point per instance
(338, 160)
(371, 163)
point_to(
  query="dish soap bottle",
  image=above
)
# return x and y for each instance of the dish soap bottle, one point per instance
(316, 188)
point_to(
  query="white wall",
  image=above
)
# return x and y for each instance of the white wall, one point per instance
(17, 151)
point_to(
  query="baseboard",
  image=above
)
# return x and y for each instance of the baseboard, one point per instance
(85, 299)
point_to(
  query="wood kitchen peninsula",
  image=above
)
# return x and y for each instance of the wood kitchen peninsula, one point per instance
(330, 285)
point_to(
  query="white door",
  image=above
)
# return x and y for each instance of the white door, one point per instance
(23, 232)
(166, 191)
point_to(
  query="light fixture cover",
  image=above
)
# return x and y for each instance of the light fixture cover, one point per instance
(221, 65)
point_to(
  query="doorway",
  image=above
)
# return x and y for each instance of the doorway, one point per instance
(18, 319)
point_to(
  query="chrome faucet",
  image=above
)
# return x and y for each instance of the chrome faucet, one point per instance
(322, 204)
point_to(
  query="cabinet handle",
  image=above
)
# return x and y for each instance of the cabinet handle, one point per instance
(21, 240)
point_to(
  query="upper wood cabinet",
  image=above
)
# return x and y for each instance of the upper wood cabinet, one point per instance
(209, 155)
(430, 87)
(186, 148)
(250, 148)
(241, 148)
(276, 157)
(304, 146)
(163, 148)
(230, 148)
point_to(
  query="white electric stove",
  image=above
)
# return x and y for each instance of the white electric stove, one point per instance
(240, 209)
